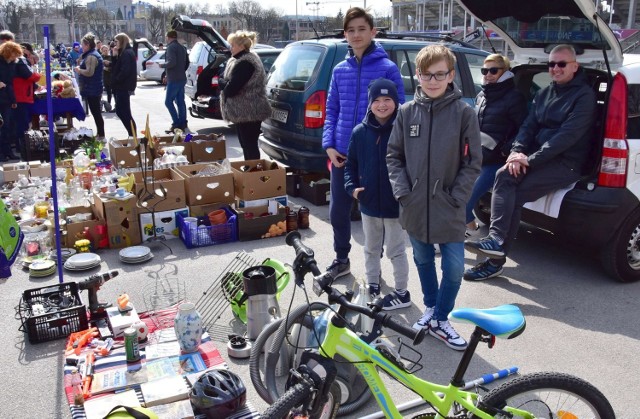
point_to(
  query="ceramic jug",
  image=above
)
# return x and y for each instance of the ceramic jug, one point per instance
(188, 327)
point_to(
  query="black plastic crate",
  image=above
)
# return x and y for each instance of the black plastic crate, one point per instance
(52, 312)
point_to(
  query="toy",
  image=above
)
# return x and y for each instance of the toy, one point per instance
(62, 89)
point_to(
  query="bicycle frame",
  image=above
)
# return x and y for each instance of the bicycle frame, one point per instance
(342, 341)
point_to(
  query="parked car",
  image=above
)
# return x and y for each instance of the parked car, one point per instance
(299, 80)
(207, 60)
(144, 51)
(153, 71)
(602, 211)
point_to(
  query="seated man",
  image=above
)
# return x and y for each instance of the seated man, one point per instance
(548, 153)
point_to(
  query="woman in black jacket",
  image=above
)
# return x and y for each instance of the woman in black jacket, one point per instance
(123, 80)
(501, 110)
(9, 53)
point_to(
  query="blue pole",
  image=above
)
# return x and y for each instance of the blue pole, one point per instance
(52, 153)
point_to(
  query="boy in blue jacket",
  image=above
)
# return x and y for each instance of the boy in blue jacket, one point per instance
(367, 180)
(347, 105)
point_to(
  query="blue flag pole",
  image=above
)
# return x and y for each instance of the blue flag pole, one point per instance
(52, 153)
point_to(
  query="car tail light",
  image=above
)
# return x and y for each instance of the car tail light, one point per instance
(214, 81)
(615, 150)
(199, 70)
(315, 109)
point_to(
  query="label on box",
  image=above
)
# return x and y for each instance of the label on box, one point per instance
(165, 224)
(121, 321)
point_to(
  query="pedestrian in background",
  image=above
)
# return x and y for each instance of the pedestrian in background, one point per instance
(74, 55)
(123, 80)
(9, 53)
(243, 100)
(90, 80)
(176, 62)
(24, 86)
(107, 59)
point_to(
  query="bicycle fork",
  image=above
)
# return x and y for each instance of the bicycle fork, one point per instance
(319, 373)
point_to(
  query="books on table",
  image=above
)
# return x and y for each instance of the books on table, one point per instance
(97, 408)
(177, 410)
(174, 365)
(165, 390)
(118, 378)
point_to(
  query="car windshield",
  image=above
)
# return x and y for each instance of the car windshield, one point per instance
(295, 67)
(552, 29)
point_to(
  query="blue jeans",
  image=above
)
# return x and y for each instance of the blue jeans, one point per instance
(442, 297)
(482, 186)
(175, 93)
(340, 214)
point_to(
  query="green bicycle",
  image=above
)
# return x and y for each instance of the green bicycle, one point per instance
(312, 391)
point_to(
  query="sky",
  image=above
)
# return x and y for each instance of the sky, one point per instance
(325, 7)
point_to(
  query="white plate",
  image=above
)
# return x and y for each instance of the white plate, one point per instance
(140, 260)
(81, 260)
(80, 268)
(42, 265)
(134, 252)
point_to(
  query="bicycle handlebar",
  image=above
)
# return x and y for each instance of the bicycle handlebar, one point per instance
(305, 262)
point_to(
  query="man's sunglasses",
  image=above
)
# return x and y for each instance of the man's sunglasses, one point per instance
(492, 70)
(561, 64)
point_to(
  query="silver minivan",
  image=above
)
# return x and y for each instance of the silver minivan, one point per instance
(602, 211)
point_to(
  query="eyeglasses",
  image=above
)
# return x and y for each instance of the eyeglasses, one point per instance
(439, 76)
(492, 70)
(561, 64)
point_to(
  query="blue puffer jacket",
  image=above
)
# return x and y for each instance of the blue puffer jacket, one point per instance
(366, 167)
(347, 101)
(91, 86)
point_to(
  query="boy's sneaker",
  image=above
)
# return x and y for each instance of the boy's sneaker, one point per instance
(443, 330)
(487, 246)
(423, 322)
(395, 301)
(338, 269)
(374, 291)
(483, 270)
(470, 232)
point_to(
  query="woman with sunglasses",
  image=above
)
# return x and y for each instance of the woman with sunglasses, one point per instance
(501, 110)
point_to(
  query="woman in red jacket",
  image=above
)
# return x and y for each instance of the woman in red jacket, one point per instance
(24, 84)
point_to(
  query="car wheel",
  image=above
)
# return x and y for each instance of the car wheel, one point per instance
(621, 256)
(482, 209)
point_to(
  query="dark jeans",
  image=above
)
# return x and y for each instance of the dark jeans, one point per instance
(511, 193)
(123, 109)
(340, 213)
(22, 116)
(248, 133)
(107, 89)
(95, 106)
(5, 130)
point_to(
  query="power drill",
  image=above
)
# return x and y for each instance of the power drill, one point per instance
(92, 285)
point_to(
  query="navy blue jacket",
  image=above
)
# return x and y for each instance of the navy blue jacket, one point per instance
(124, 75)
(7, 73)
(501, 110)
(91, 86)
(366, 167)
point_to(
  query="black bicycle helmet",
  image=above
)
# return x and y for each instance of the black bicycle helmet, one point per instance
(218, 394)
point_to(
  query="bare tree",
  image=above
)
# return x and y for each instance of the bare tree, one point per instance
(266, 25)
(100, 22)
(154, 24)
(246, 12)
(13, 12)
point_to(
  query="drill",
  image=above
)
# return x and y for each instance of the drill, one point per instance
(92, 285)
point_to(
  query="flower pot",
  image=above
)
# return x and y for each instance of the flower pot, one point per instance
(218, 217)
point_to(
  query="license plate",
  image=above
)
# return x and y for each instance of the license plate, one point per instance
(279, 115)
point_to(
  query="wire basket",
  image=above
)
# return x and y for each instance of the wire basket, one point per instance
(160, 299)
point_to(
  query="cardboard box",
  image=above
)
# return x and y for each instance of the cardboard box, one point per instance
(207, 148)
(166, 141)
(11, 172)
(75, 230)
(120, 153)
(121, 321)
(293, 184)
(282, 200)
(172, 182)
(315, 189)
(205, 209)
(206, 189)
(123, 235)
(166, 223)
(258, 184)
(252, 226)
(115, 211)
(40, 171)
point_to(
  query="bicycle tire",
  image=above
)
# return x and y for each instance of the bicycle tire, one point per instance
(546, 393)
(295, 396)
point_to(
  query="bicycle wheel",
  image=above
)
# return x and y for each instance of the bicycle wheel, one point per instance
(288, 405)
(551, 395)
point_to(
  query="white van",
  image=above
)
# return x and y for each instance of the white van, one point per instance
(602, 211)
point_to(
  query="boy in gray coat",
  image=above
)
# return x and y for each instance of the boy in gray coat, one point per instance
(434, 158)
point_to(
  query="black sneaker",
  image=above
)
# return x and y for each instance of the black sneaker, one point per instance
(170, 130)
(338, 269)
(395, 301)
(374, 291)
(487, 246)
(483, 270)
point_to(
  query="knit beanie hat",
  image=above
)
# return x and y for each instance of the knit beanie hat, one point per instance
(383, 87)
(76, 44)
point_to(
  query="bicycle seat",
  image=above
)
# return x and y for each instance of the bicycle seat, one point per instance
(505, 321)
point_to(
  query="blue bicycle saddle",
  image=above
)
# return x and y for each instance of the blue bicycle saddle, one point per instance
(504, 321)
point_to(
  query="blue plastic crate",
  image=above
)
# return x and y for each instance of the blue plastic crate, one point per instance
(206, 234)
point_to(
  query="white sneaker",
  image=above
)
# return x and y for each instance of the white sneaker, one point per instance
(442, 329)
(423, 322)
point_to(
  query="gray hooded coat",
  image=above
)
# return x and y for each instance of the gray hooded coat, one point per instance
(434, 157)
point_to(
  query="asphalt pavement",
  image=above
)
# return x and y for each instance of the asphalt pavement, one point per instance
(579, 321)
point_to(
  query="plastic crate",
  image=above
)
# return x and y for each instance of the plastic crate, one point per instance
(64, 312)
(207, 234)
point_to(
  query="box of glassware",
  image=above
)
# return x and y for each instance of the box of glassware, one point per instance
(206, 183)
